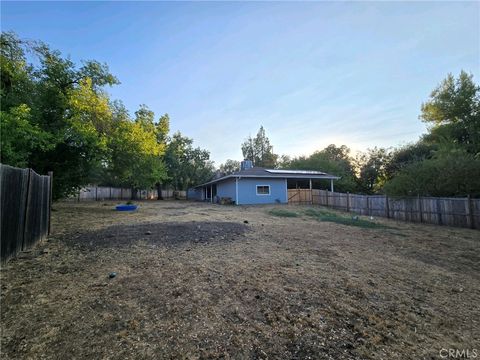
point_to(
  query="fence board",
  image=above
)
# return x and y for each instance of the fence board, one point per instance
(459, 212)
(12, 209)
(25, 209)
(300, 196)
(37, 206)
(99, 193)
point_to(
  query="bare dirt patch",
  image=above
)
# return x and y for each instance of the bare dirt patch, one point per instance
(207, 281)
(157, 234)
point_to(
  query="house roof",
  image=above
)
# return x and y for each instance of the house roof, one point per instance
(258, 172)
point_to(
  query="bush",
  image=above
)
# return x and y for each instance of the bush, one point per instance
(455, 174)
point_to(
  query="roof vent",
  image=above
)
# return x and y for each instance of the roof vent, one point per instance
(246, 164)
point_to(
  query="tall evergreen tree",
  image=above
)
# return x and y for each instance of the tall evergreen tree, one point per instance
(259, 150)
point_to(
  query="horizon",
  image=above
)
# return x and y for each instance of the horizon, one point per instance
(312, 74)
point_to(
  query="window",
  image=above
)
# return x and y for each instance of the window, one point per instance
(263, 189)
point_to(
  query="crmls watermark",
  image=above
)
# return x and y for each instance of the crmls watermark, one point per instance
(459, 353)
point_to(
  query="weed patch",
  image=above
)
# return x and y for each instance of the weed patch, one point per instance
(323, 215)
(282, 213)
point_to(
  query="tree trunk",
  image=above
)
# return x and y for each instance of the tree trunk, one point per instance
(159, 191)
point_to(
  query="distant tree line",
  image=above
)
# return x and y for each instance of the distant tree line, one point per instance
(443, 162)
(56, 116)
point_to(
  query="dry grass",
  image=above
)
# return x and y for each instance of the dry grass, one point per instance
(196, 281)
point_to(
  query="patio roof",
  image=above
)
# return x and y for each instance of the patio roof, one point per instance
(258, 172)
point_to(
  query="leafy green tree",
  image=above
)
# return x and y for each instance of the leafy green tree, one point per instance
(58, 117)
(136, 153)
(20, 137)
(259, 150)
(146, 118)
(163, 128)
(453, 111)
(454, 174)
(445, 162)
(65, 111)
(408, 154)
(338, 153)
(249, 150)
(333, 160)
(372, 167)
(187, 166)
(16, 83)
(229, 167)
(284, 161)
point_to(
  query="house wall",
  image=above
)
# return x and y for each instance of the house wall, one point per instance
(195, 194)
(227, 189)
(247, 191)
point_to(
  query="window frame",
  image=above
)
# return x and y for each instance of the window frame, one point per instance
(262, 185)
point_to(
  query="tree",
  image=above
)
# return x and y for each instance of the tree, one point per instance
(259, 150)
(249, 149)
(372, 169)
(453, 174)
(16, 80)
(340, 155)
(333, 160)
(337, 153)
(145, 118)
(59, 104)
(284, 161)
(56, 116)
(136, 153)
(20, 137)
(408, 154)
(163, 128)
(229, 167)
(453, 110)
(186, 165)
(445, 162)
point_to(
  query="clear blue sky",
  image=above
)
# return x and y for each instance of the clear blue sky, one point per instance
(312, 74)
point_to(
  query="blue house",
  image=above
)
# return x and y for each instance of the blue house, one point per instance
(255, 185)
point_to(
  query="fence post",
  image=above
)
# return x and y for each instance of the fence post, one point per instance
(311, 194)
(387, 207)
(368, 205)
(469, 214)
(110, 191)
(439, 213)
(420, 208)
(50, 174)
(326, 197)
(348, 201)
(27, 202)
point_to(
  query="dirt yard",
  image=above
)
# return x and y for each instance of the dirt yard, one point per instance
(201, 281)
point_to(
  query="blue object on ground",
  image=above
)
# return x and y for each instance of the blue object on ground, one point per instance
(126, 207)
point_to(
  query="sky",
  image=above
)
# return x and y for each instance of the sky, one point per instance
(312, 73)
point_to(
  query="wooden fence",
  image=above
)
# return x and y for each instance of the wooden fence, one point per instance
(26, 199)
(461, 212)
(99, 193)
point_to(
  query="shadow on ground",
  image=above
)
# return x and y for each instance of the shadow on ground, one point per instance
(162, 234)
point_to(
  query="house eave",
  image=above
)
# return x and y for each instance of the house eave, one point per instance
(304, 177)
